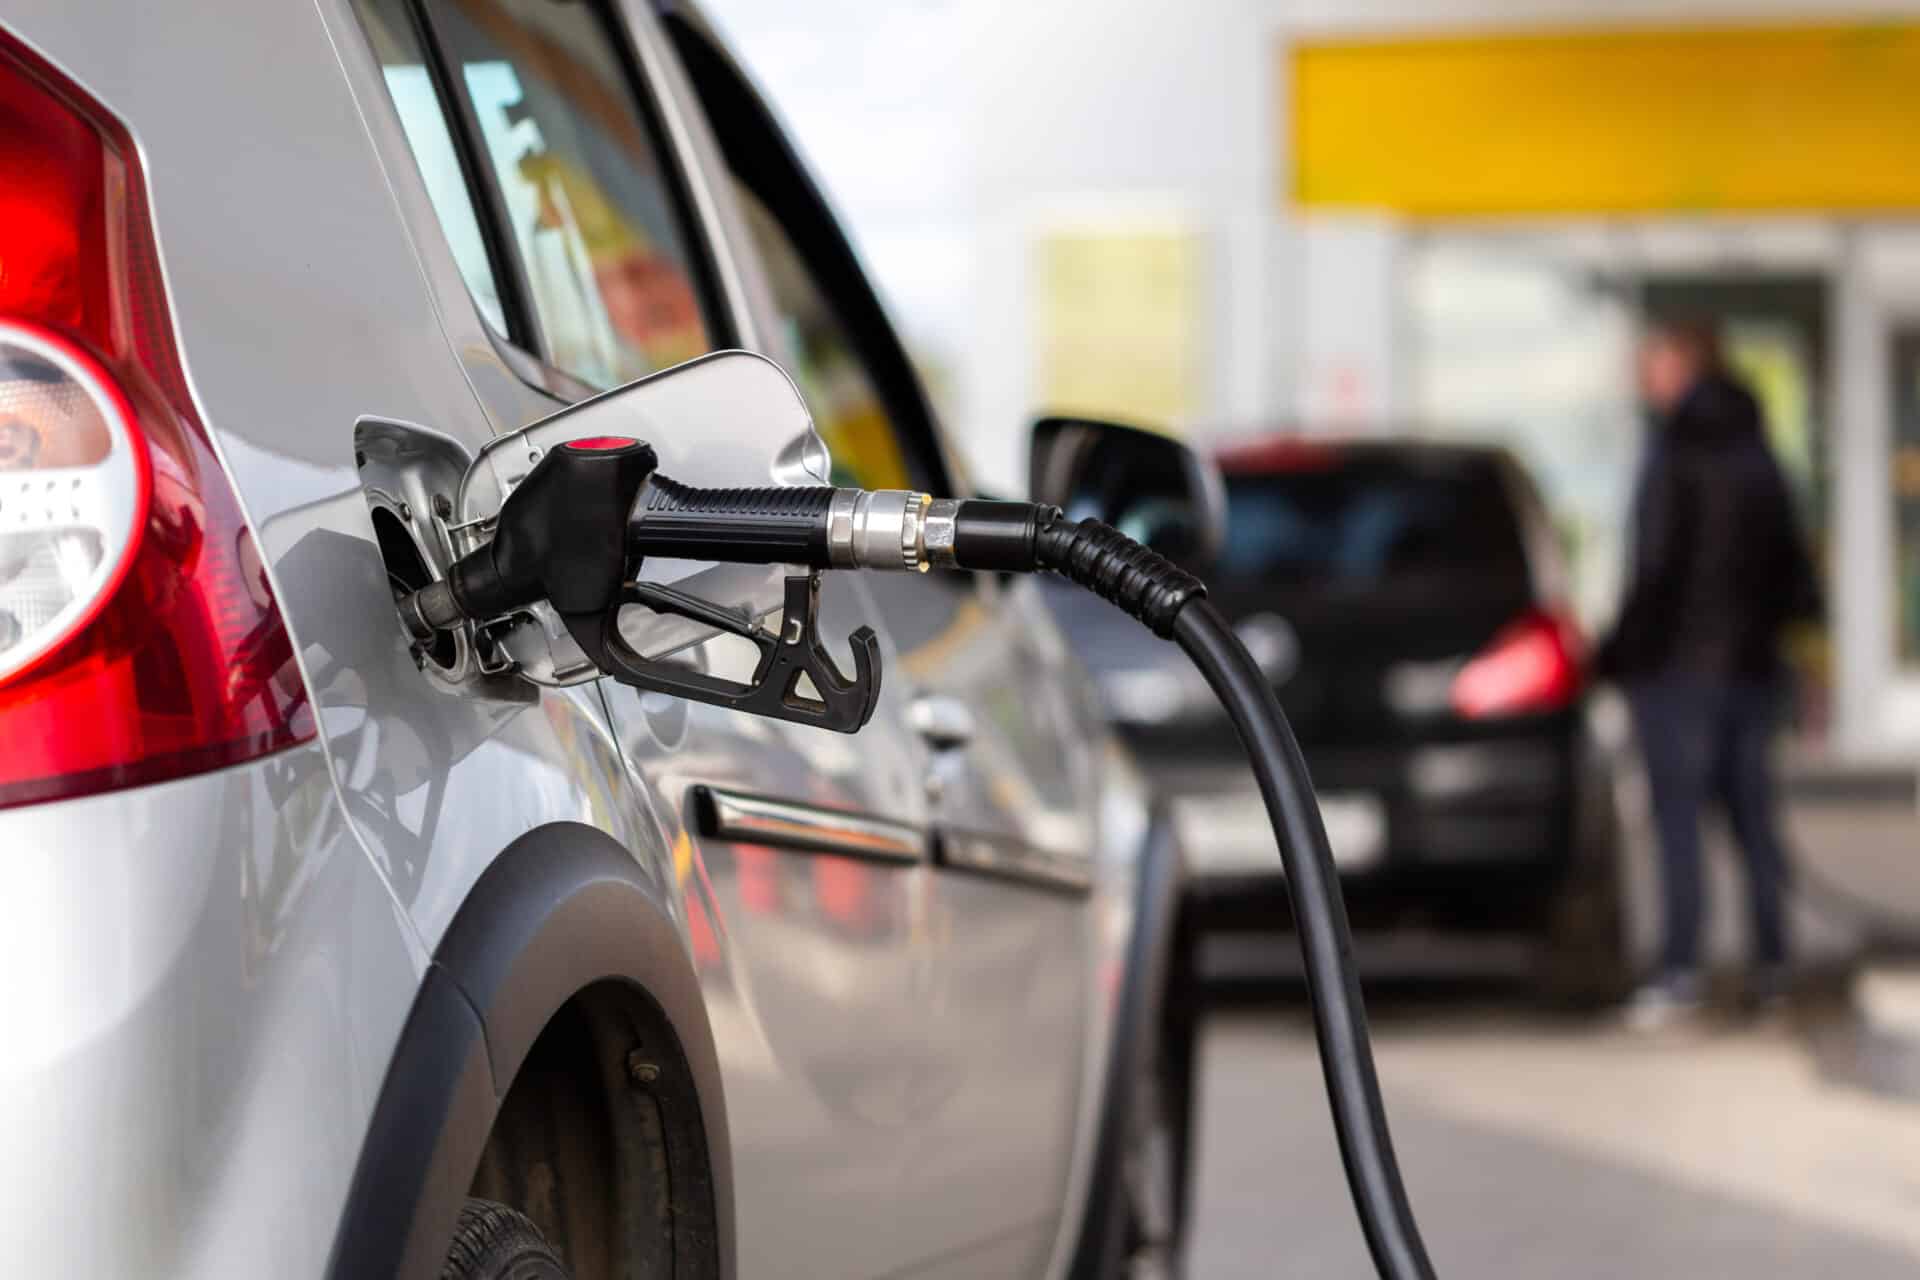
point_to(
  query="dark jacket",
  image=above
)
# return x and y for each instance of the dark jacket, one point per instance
(1719, 567)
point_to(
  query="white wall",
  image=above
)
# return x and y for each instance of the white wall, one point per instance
(1093, 108)
(951, 133)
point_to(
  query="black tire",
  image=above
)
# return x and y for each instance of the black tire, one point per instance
(493, 1242)
(1586, 963)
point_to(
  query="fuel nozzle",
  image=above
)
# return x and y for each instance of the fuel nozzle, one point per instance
(556, 539)
(577, 530)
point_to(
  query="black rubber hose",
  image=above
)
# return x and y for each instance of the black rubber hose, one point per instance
(1172, 603)
(1140, 581)
(1339, 1015)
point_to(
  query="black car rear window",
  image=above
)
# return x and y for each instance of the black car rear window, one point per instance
(1345, 521)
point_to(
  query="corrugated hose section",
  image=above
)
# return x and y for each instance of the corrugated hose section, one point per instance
(1105, 561)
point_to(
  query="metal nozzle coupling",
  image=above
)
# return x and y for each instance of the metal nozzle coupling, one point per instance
(431, 609)
(890, 529)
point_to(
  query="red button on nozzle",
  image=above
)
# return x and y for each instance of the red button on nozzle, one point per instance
(600, 444)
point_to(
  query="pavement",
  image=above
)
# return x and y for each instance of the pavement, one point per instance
(1539, 1144)
(1535, 1145)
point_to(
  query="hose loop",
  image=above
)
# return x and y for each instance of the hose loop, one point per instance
(1143, 583)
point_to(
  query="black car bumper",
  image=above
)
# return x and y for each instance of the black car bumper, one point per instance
(1459, 833)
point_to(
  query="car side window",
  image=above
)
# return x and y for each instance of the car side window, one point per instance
(403, 63)
(598, 251)
(847, 407)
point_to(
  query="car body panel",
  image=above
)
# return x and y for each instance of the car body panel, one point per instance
(204, 981)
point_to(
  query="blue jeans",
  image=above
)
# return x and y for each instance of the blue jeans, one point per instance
(1710, 740)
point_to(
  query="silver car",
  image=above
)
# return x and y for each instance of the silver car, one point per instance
(331, 951)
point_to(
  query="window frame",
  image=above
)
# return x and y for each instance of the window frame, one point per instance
(509, 274)
(524, 349)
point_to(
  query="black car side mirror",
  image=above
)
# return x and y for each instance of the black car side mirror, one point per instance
(1151, 487)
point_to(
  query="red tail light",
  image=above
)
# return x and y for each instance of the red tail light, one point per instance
(139, 640)
(1533, 665)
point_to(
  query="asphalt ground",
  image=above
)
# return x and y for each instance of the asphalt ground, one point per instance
(1539, 1144)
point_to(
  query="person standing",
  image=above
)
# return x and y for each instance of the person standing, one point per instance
(1718, 571)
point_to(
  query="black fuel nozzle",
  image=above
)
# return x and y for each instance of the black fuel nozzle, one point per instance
(558, 537)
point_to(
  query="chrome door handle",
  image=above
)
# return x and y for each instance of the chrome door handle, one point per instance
(790, 824)
(943, 721)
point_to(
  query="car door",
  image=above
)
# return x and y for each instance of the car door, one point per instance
(1001, 762)
(583, 231)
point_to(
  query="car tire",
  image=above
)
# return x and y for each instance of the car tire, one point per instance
(493, 1242)
(1587, 964)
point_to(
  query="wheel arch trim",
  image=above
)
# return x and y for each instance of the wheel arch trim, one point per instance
(560, 909)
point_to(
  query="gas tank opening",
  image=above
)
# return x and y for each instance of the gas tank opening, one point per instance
(407, 572)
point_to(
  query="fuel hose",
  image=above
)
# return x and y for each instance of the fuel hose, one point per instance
(1172, 603)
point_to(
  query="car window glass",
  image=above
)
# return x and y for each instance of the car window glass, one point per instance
(396, 43)
(846, 405)
(1366, 521)
(609, 266)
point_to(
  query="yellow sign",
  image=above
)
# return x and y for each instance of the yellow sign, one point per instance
(1119, 324)
(1681, 120)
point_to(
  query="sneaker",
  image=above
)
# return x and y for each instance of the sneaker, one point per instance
(1667, 999)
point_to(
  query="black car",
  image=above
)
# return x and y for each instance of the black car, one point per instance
(1406, 598)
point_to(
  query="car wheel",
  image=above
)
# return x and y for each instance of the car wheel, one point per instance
(1586, 961)
(492, 1242)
